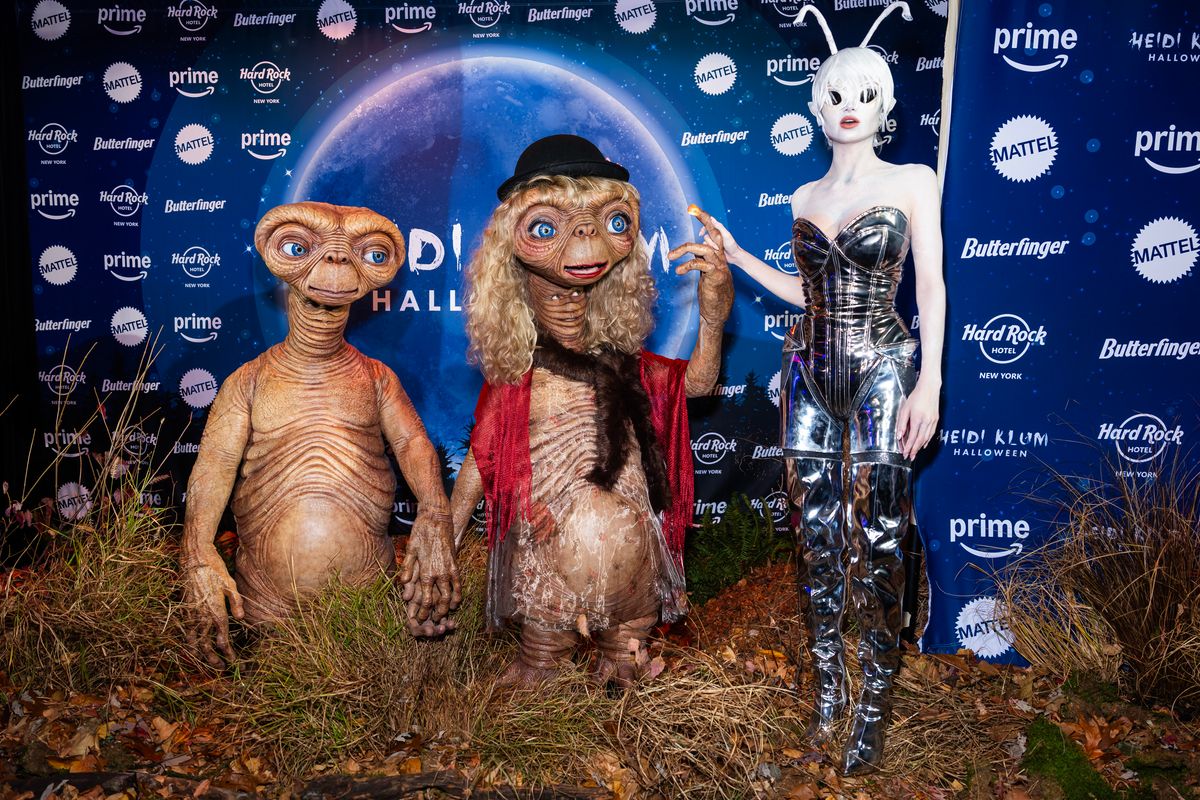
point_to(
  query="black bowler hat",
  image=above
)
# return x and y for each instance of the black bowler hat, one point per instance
(562, 154)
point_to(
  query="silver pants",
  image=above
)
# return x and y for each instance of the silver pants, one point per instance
(823, 393)
(852, 487)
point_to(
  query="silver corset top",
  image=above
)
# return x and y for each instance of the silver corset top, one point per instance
(850, 281)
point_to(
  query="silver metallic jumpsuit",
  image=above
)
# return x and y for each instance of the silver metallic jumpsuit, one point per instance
(847, 367)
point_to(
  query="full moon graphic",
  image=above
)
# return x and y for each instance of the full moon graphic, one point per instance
(428, 149)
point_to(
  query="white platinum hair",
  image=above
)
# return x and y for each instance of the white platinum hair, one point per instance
(850, 71)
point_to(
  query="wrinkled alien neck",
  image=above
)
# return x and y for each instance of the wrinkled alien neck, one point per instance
(315, 331)
(559, 312)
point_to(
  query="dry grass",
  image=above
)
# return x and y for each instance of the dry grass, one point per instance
(99, 603)
(101, 606)
(1118, 592)
(344, 676)
(700, 729)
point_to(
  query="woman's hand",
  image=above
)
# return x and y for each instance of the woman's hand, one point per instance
(916, 422)
(732, 251)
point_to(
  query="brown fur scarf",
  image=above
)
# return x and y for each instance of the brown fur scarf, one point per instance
(616, 379)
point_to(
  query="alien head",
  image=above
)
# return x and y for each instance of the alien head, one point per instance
(332, 255)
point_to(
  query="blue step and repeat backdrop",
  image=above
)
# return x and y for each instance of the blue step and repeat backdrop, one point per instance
(1070, 212)
(159, 132)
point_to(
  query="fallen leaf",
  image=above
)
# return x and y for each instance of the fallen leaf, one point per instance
(162, 729)
(656, 667)
(84, 740)
(85, 764)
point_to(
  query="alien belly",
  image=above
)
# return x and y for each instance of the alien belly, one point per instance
(311, 506)
(602, 557)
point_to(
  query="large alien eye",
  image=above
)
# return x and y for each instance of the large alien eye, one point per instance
(375, 256)
(868, 95)
(835, 97)
(541, 229)
(618, 223)
(294, 249)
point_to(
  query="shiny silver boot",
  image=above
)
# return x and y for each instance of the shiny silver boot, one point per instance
(880, 505)
(815, 488)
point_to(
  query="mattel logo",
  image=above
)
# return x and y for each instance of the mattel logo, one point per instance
(1165, 250)
(122, 82)
(715, 73)
(260, 145)
(337, 19)
(635, 16)
(50, 20)
(198, 388)
(1024, 148)
(194, 143)
(980, 628)
(791, 134)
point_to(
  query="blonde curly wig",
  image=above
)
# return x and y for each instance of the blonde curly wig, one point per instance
(500, 323)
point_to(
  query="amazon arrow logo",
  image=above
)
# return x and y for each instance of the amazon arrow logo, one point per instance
(985, 537)
(207, 91)
(421, 29)
(1170, 140)
(1060, 60)
(727, 7)
(1013, 550)
(786, 82)
(1030, 42)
